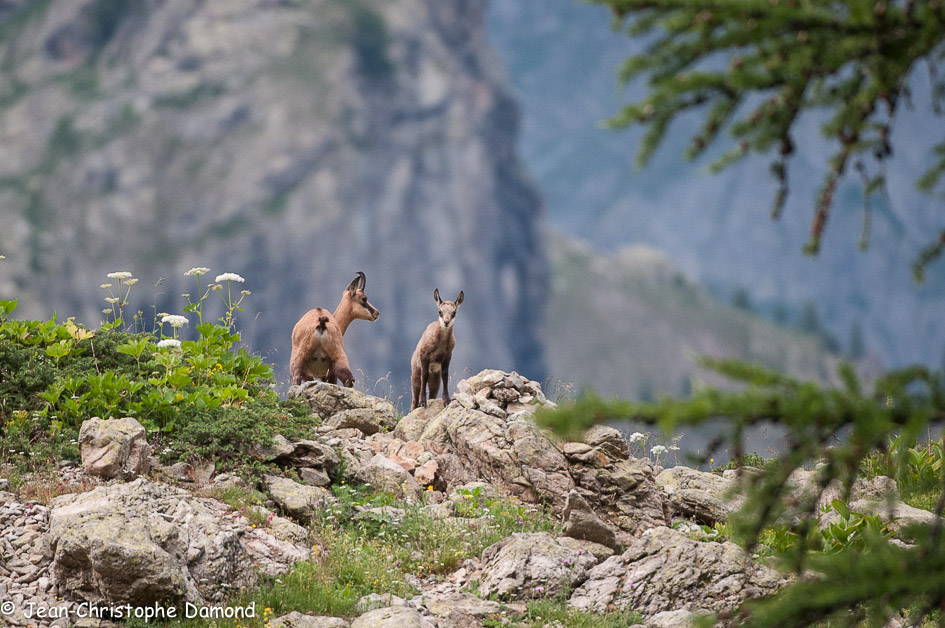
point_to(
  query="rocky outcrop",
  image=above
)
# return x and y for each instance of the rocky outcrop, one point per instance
(581, 522)
(296, 619)
(500, 394)
(144, 542)
(623, 490)
(343, 407)
(411, 426)
(25, 567)
(665, 571)
(461, 610)
(383, 474)
(114, 448)
(316, 462)
(392, 617)
(532, 566)
(704, 497)
(297, 500)
(509, 452)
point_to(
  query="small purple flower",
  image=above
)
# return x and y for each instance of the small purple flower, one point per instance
(539, 589)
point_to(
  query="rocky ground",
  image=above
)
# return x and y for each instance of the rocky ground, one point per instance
(149, 536)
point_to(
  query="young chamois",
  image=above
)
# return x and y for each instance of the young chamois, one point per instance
(430, 361)
(318, 345)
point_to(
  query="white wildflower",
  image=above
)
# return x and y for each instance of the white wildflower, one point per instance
(229, 277)
(107, 310)
(112, 300)
(197, 271)
(124, 274)
(637, 437)
(246, 293)
(162, 314)
(657, 450)
(3, 256)
(175, 320)
(131, 281)
(105, 286)
(674, 447)
(169, 342)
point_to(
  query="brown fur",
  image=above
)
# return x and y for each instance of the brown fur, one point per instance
(318, 344)
(430, 362)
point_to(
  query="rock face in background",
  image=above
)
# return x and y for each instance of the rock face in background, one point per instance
(294, 143)
(642, 319)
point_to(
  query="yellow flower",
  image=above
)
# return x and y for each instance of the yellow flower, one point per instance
(430, 488)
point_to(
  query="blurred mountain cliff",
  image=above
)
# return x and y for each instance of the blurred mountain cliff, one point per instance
(294, 142)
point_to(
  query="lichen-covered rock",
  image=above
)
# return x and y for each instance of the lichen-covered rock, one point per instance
(392, 617)
(383, 474)
(625, 495)
(705, 497)
(581, 522)
(280, 527)
(310, 454)
(427, 474)
(297, 500)
(296, 619)
(681, 618)
(346, 407)
(532, 566)
(500, 394)
(411, 426)
(114, 448)
(373, 601)
(805, 486)
(510, 453)
(608, 440)
(665, 570)
(457, 610)
(145, 542)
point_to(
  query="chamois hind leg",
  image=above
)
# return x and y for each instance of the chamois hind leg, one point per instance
(415, 388)
(346, 377)
(339, 367)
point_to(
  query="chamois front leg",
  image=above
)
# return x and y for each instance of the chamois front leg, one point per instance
(445, 377)
(433, 385)
(424, 377)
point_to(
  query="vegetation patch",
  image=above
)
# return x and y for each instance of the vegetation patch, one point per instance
(205, 398)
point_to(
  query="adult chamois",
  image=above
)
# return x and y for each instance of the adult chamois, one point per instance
(318, 345)
(430, 361)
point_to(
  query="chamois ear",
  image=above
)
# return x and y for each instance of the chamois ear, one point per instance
(459, 299)
(363, 280)
(353, 286)
(436, 296)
